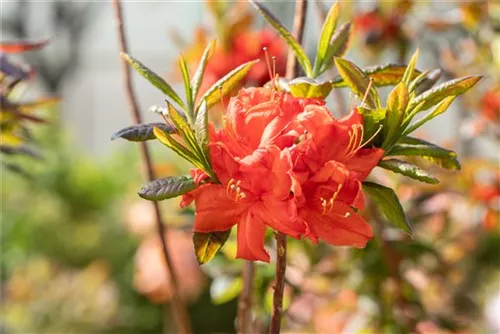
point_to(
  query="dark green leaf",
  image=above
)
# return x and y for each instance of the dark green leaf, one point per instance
(206, 245)
(168, 187)
(154, 78)
(410, 146)
(388, 203)
(384, 75)
(309, 88)
(222, 87)
(286, 35)
(450, 88)
(358, 82)
(141, 132)
(408, 169)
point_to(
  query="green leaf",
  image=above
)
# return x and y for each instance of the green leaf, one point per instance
(388, 203)
(182, 126)
(287, 36)
(222, 87)
(224, 289)
(396, 105)
(168, 187)
(384, 75)
(154, 78)
(206, 245)
(198, 75)
(357, 81)
(424, 81)
(21, 150)
(440, 108)
(182, 151)
(201, 131)
(141, 132)
(373, 120)
(187, 87)
(337, 48)
(309, 88)
(411, 68)
(410, 146)
(450, 88)
(326, 34)
(408, 169)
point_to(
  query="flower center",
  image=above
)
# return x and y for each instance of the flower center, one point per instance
(327, 205)
(234, 192)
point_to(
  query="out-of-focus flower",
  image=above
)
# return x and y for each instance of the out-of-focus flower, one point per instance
(491, 105)
(150, 276)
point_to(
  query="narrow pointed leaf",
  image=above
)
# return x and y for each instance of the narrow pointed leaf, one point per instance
(387, 202)
(168, 187)
(154, 78)
(206, 245)
(201, 129)
(408, 169)
(410, 146)
(326, 34)
(198, 75)
(425, 81)
(175, 146)
(187, 87)
(21, 150)
(227, 83)
(338, 46)
(411, 68)
(440, 108)
(450, 88)
(396, 106)
(384, 75)
(141, 132)
(286, 35)
(357, 81)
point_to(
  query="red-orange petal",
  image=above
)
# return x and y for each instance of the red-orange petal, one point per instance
(250, 238)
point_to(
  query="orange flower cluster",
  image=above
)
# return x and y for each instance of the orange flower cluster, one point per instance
(284, 163)
(246, 46)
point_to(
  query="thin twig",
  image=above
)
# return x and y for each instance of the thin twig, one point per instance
(279, 283)
(179, 309)
(245, 301)
(297, 32)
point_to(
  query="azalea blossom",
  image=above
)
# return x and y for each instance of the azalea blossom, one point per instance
(254, 172)
(329, 165)
(286, 163)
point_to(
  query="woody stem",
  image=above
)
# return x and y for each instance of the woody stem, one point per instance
(245, 300)
(178, 307)
(279, 282)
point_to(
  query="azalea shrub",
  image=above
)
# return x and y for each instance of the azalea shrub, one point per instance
(281, 162)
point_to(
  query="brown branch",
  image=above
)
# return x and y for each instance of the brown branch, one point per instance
(279, 282)
(179, 309)
(297, 32)
(245, 301)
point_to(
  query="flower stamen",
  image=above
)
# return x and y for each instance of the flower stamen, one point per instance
(328, 205)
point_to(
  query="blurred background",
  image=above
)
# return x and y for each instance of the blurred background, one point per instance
(79, 249)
